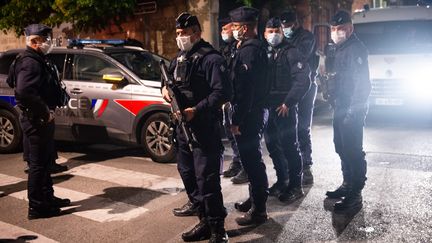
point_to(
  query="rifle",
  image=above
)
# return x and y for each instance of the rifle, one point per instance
(176, 107)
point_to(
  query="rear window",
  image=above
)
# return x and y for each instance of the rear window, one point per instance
(5, 62)
(396, 37)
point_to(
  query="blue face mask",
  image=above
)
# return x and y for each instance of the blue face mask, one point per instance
(288, 32)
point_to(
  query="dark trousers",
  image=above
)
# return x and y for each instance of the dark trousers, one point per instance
(200, 172)
(281, 142)
(227, 114)
(249, 144)
(39, 142)
(305, 114)
(348, 141)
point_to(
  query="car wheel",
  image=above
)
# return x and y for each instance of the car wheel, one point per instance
(10, 132)
(156, 138)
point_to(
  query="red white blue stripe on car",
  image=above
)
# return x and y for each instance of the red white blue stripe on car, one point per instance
(98, 106)
(9, 99)
(135, 106)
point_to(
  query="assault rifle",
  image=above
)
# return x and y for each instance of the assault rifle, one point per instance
(176, 106)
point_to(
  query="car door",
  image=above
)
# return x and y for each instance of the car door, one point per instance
(97, 114)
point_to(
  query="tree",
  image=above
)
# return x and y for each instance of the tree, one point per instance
(87, 15)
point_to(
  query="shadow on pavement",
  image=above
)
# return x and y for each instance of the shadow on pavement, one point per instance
(22, 185)
(19, 239)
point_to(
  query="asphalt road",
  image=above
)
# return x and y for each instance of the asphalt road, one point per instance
(119, 195)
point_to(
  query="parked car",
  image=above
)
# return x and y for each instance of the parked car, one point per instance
(115, 96)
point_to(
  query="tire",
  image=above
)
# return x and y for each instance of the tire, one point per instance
(10, 132)
(156, 138)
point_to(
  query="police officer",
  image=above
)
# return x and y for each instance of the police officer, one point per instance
(248, 74)
(288, 75)
(305, 41)
(350, 96)
(36, 80)
(199, 74)
(227, 50)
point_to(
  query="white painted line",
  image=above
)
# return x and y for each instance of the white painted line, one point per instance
(168, 185)
(85, 205)
(17, 234)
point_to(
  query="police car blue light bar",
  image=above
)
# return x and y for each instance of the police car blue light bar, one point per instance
(83, 42)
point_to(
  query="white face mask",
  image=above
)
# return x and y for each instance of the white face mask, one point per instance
(338, 36)
(237, 35)
(287, 32)
(274, 39)
(226, 38)
(46, 47)
(184, 43)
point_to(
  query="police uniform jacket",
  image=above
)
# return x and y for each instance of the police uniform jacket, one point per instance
(35, 77)
(353, 85)
(288, 75)
(228, 50)
(305, 41)
(200, 75)
(249, 78)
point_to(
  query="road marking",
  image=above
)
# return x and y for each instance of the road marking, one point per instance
(18, 234)
(88, 206)
(167, 185)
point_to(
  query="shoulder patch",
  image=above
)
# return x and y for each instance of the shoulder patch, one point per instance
(222, 68)
(360, 60)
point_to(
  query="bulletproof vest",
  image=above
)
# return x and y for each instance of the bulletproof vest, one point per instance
(279, 71)
(190, 78)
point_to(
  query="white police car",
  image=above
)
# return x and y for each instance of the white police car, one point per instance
(115, 96)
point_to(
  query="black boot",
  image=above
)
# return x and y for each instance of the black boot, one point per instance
(253, 217)
(199, 232)
(57, 168)
(277, 189)
(241, 177)
(291, 194)
(233, 169)
(353, 202)
(45, 212)
(59, 202)
(189, 209)
(340, 192)
(308, 178)
(218, 233)
(243, 206)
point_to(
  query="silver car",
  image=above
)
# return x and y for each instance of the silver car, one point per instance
(115, 96)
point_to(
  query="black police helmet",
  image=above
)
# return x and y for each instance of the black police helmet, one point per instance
(244, 14)
(288, 17)
(37, 29)
(186, 20)
(341, 17)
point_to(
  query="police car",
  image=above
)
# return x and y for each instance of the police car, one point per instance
(115, 96)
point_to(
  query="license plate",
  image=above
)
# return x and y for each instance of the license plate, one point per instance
(388, 101)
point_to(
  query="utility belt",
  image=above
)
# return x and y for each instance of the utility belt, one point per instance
(34, 118)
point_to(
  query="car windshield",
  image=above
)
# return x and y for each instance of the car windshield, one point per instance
(144, 64)
(396, 37)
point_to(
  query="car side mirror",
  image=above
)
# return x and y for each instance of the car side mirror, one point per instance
(117, 80)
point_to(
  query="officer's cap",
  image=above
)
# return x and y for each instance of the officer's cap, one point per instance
(274, 23)
(225, 21)
(244, 14)
(341, 17)
(37, 29)
(288, 17)
(186, 20)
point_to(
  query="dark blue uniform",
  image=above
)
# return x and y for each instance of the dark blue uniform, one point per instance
(248, 73)
(227, 52)
(35, 76)
(351, 104)
(200, 76)
(306, 43)
(288, 75)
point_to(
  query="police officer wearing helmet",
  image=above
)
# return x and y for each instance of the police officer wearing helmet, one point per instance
(36, 81)
(288, 75)
(305, 41)
(228, 49)
(199, 74)
(248, 74)
(350, 99)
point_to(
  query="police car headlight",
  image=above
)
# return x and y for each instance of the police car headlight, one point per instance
(420, 84)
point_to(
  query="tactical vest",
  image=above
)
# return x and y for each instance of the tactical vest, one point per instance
(189, 76)
(279, 70)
